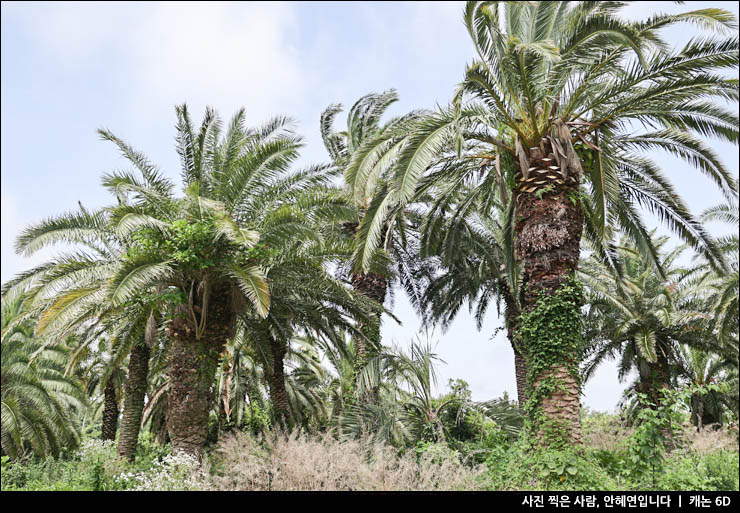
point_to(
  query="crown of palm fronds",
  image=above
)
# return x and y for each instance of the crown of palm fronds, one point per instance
(577, 72)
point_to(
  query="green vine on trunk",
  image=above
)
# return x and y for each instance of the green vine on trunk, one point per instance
(552, 334)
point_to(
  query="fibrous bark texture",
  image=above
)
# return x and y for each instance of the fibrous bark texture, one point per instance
(374, 287)
(278, 394)
(110, 412)
(133, 400)
(548, 228)
(192, 364)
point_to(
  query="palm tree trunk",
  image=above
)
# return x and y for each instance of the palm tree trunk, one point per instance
(110, 412)
(548, 228)
(278, 394)
(133, 400)
(374, 287)
(162, 435)
(700, 414)
(192, 365)
(511, 314)
(663, 382)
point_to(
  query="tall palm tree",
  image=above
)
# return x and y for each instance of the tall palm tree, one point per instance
(469, 237)
(371, 273)
(197, 254)
(556, 93)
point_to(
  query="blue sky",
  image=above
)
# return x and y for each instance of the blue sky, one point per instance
(69, 68)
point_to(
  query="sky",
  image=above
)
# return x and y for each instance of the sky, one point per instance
(68, 68)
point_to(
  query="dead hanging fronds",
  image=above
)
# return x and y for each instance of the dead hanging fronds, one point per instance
(150, 333)
(563, 150)
(521, 154)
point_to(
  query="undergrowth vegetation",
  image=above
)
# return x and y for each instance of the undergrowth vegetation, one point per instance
(614, 456)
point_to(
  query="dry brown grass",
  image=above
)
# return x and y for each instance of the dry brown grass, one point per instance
(709, 439)
(605, 432)
(320, 462)
(608, 432)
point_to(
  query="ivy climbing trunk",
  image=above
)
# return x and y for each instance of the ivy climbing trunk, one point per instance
(192, 364)
(133, 400)
(278, 394)
(548, 230)
(110, 412)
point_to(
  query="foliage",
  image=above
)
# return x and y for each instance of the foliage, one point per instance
(39, 401)
(552, 334)
(523, 467)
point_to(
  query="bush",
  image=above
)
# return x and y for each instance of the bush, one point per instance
(174, 472)
(95, 466)
(528, 468)
(717, 470)
(302, 462)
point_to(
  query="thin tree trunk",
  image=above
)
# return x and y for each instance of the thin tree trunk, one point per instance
(162, 435)
(192, 365)
(133, 400)
(374, 287)
(278, 394)
(520, 369)
(511, 315)
(549, 226)
(110, 412)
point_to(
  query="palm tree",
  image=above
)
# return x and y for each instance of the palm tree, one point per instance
(406, 410)
(69, 296)
(555, 93)
(132, 333)
(91, 367)
(371, 273)
(305, 299)
(725, 285)
(643, 319)
(38, 400)
(699, 369)
(469, 238)
(196, 255)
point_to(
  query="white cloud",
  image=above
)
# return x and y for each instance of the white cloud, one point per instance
(227, 55)
(223, 54)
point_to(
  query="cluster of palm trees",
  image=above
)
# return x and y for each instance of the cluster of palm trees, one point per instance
(242, 284)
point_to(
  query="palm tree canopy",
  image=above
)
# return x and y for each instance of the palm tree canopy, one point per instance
(578, 76)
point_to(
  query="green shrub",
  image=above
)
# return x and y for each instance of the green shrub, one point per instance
(716, 470)
(524, 467)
